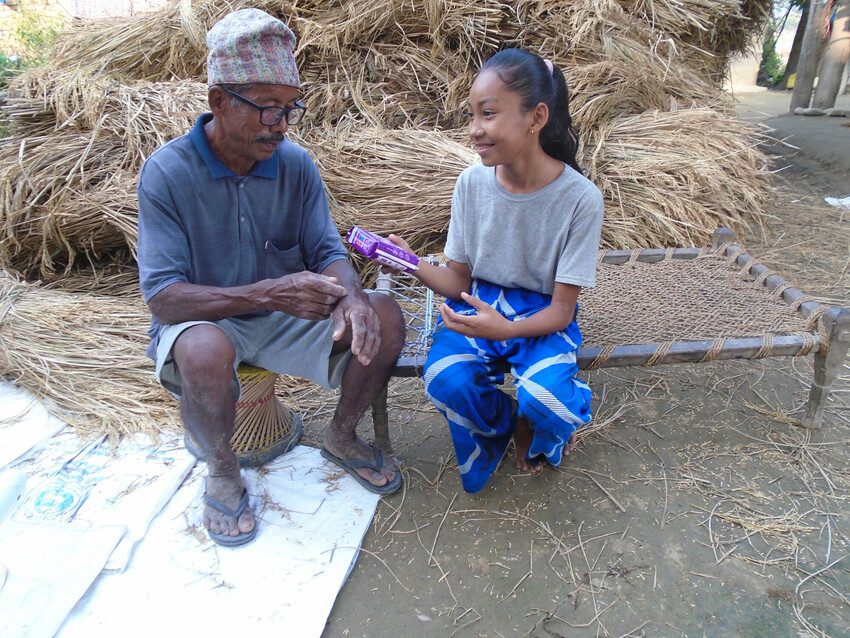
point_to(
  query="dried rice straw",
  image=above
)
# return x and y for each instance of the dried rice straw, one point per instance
(84, 355)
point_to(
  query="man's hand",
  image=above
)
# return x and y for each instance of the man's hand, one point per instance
(487, 324)
(356, 312)
(304, 294)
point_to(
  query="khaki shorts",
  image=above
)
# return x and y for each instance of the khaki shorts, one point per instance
(277, 342)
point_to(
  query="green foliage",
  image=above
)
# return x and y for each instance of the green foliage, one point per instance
(37, 31)
(9, 66)
(772, 66)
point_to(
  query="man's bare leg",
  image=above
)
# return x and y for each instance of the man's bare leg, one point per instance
(204, 356)
(360, 385)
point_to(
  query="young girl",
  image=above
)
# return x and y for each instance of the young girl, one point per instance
(522, 242)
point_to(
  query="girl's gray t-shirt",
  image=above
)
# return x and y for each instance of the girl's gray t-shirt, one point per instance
(530, 240)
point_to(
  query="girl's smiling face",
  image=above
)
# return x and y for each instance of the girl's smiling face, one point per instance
(499, 128)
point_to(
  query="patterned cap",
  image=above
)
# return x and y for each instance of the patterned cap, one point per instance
(250, 46)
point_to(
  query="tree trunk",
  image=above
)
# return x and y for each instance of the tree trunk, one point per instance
(835, 59)
(808, 66)
(794, 56)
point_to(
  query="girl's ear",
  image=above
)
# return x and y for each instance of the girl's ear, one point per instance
(540, 116)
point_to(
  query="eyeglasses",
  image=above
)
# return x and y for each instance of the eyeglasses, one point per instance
(272, 115)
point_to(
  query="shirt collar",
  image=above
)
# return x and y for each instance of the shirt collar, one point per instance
(264, 168)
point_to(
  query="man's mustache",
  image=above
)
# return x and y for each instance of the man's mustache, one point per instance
(276, 139)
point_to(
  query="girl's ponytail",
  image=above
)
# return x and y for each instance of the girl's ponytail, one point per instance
(528, 75)
(558, 138)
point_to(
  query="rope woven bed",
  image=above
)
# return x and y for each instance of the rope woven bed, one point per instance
(658, 306)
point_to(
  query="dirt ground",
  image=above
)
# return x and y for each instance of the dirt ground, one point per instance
(697, 506)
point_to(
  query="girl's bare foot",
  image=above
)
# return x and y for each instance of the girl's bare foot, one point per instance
(522, 441)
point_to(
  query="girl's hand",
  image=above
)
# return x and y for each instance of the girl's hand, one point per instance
(487, 324)
(398, 241)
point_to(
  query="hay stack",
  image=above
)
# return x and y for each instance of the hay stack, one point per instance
(371, 66)
(410, 62)
(666, 177)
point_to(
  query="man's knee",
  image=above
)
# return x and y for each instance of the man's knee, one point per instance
(204, 356)
(392, 322)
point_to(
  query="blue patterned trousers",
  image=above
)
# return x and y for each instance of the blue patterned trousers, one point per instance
(461, 378)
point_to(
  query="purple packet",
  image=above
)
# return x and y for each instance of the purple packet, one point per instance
(381, 250)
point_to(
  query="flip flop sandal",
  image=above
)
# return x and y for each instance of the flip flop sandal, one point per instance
(351, 466)
(225, 539)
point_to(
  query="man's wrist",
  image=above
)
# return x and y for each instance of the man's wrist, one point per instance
(259, 294)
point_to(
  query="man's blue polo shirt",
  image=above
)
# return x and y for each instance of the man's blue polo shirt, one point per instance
(201, 223)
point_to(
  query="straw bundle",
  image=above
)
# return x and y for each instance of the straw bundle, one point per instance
(84, 355)
(98, 222)
(163, 45)
(49, 169)
(391, 181)
(143, 115)
(117, 278)
(602, 91)
(447, 24)
(384, 84)
(666, 177)
(67, 180)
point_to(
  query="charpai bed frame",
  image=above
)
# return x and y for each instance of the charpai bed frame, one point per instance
(674, 305)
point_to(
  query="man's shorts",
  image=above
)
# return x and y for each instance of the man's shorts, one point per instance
(277, 342)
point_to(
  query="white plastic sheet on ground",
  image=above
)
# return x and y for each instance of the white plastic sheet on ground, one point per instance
(24, 423)
(85, 512)
(838, 202)
(93, 485)
(49, 569)
(312, 520)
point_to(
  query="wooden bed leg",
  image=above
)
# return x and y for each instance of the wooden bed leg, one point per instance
(829, 365)
(380, 419)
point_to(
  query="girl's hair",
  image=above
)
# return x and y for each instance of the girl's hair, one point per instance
(526, 74)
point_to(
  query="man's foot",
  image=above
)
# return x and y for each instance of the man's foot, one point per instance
(522, 442)
(358, 450)
(227, 490)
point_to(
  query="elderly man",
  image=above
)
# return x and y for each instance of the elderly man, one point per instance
(240, 261)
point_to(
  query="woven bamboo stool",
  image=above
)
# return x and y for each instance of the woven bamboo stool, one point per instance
(264, 428)
(669, 305)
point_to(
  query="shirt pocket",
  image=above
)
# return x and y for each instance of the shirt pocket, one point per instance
(282, 261)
